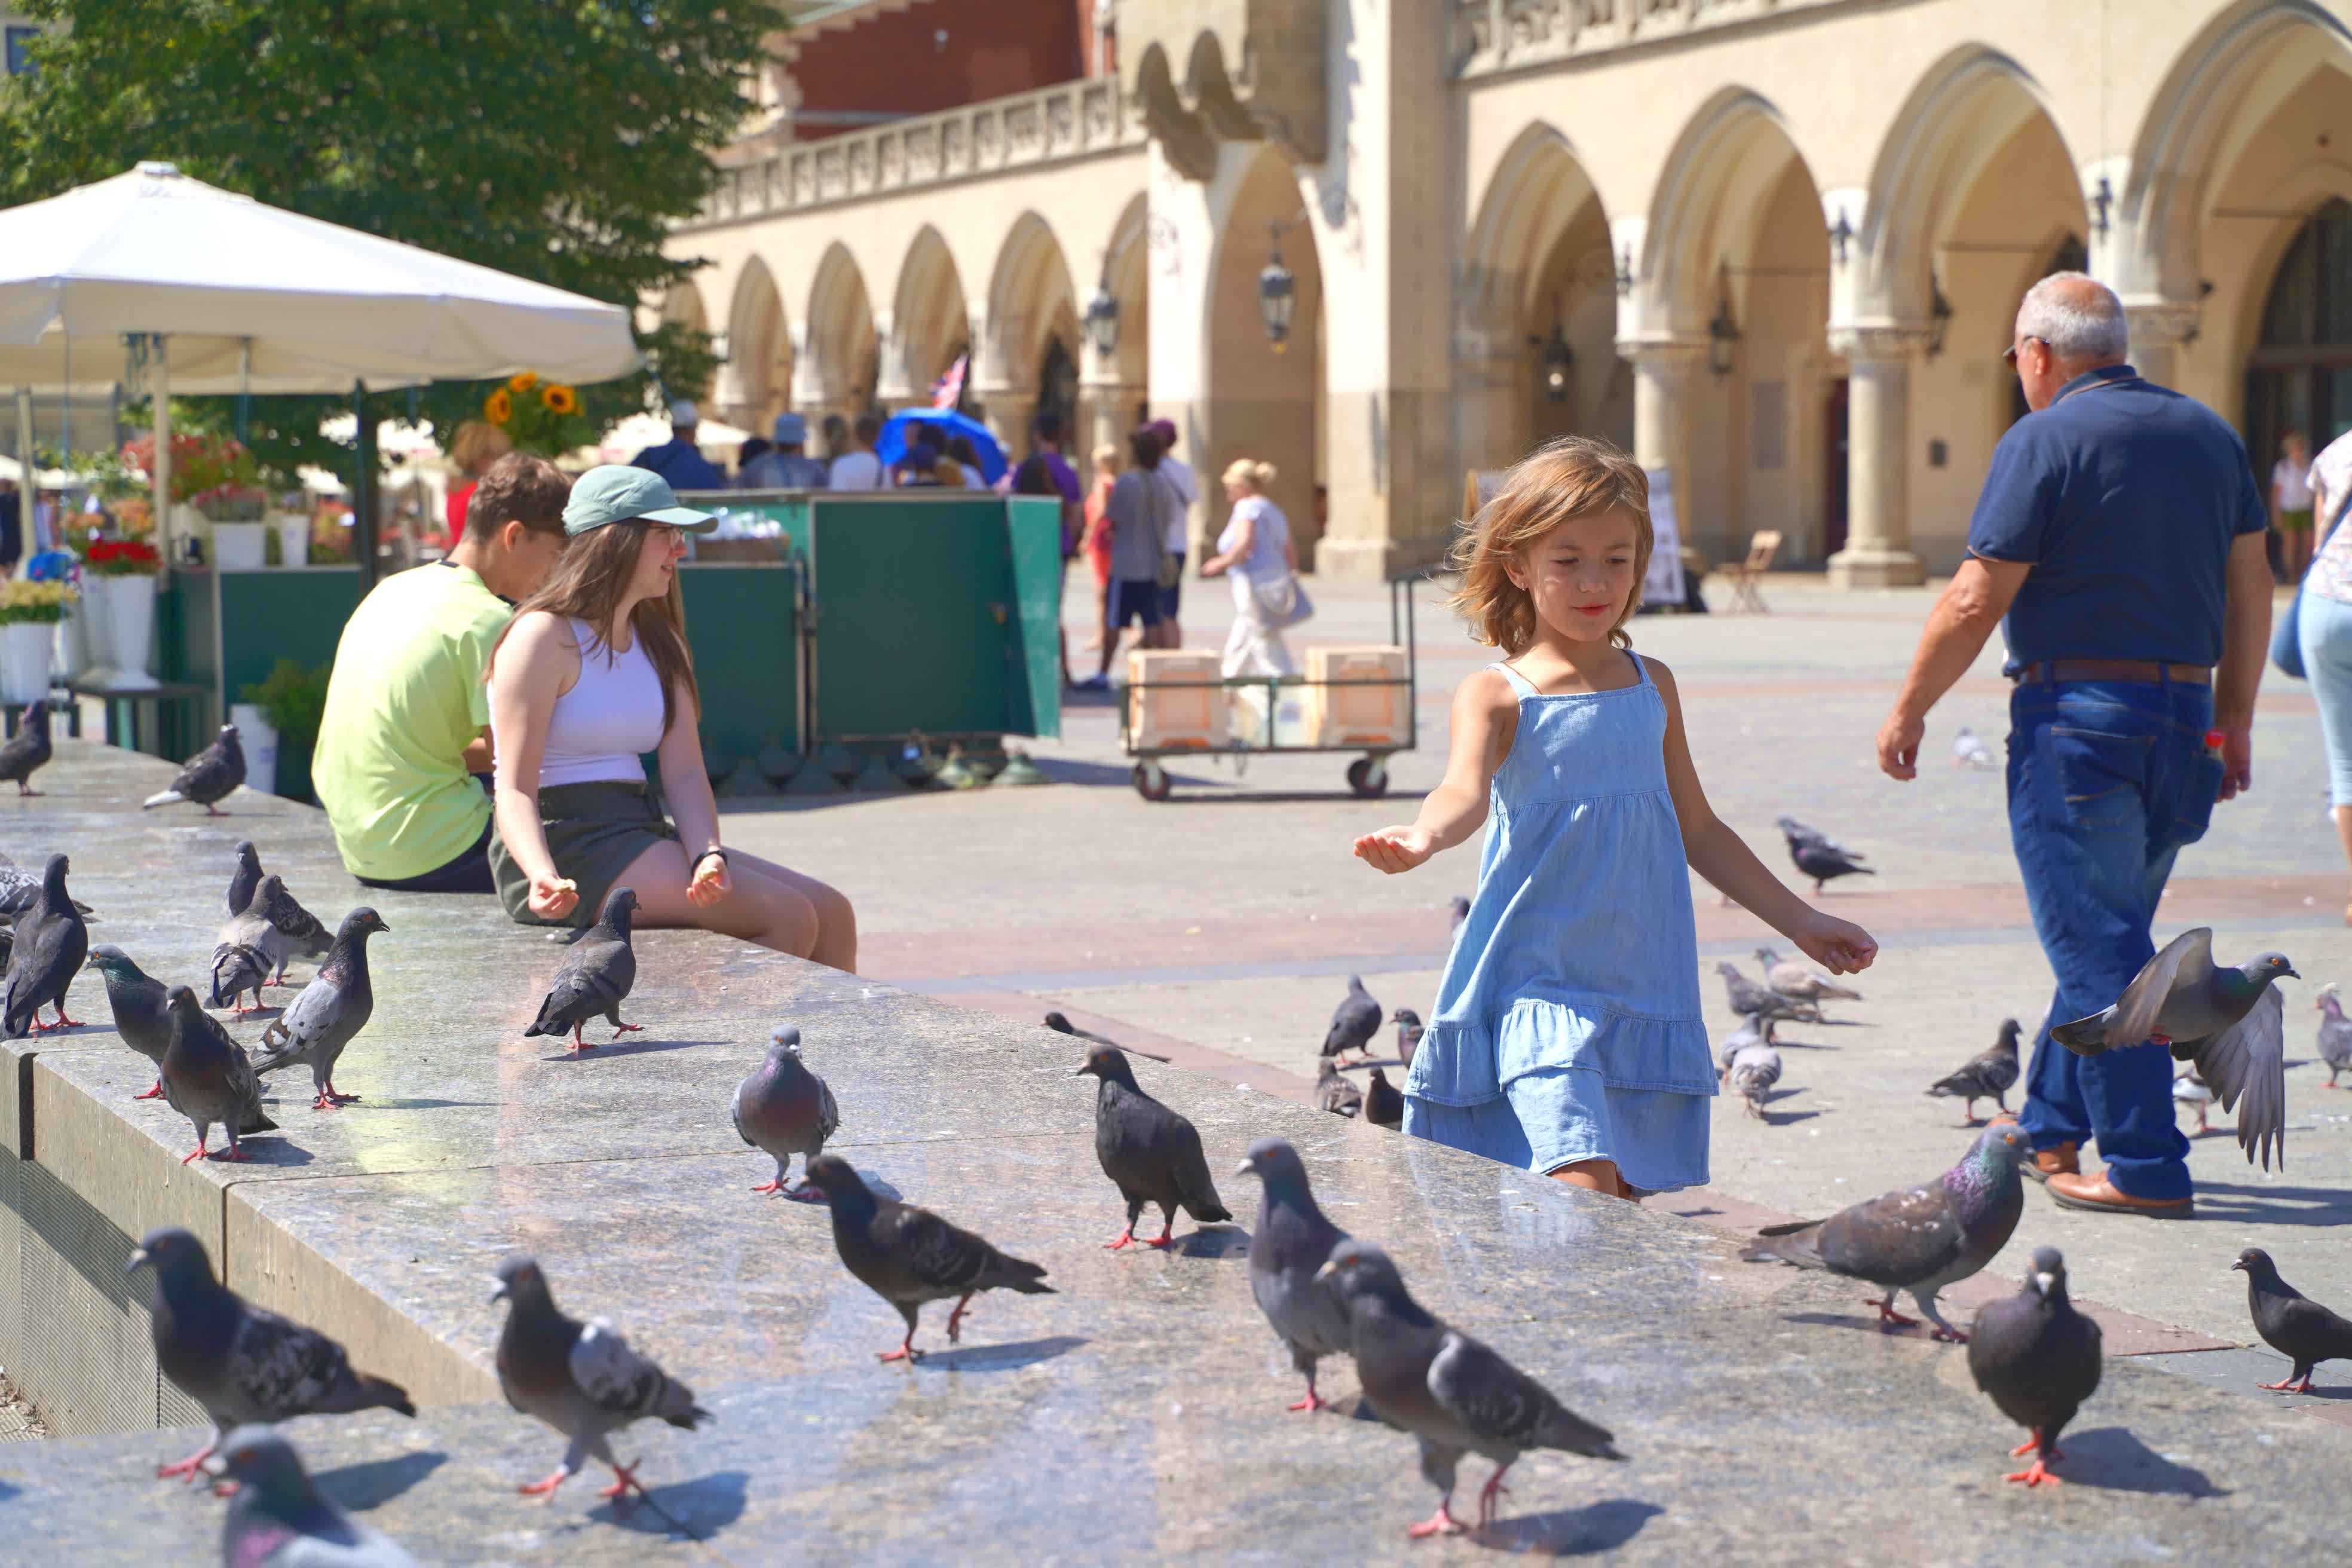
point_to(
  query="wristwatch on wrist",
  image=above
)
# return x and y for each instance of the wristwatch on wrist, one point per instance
(707, 854)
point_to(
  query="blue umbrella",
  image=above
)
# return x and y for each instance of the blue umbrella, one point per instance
(942, 423)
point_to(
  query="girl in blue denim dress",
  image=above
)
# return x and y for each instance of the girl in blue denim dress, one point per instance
(1567, 1037)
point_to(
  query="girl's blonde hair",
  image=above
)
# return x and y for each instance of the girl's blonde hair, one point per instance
(1249, 471)
(476, 444)
(1105, 459)
(1575, 476)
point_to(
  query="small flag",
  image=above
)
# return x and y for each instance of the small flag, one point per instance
(948, 391)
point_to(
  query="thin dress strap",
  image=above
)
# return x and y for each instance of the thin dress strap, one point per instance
(1519, 683)
(1641, 668)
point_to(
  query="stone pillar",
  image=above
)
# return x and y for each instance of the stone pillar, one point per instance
(1007, 410)
(895, 387)
(1491, 390)
(2161, 330)
(1106, 413)
(1877, 552)
(1662, 413)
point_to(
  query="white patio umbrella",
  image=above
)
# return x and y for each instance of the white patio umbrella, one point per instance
(228, 294)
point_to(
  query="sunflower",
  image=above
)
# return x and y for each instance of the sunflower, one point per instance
(522, 380)
(498, 408)
(559, 398)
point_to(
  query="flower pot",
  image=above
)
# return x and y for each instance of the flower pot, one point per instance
(25, 649)
(70, 654)
(260, 744)
(97, 639)
(240, 546)
(129, 619)
(293, 539)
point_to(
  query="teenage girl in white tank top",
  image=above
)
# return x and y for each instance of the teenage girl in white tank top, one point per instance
(576, 698)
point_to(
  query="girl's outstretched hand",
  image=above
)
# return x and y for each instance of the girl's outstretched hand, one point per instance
(1837, 945)
(1394, 849)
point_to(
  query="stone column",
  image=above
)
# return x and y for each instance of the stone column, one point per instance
(1877, 552)
(1007, 410)
(2161, 330)
(1662, 414)
(1106, 413)
(895, 387)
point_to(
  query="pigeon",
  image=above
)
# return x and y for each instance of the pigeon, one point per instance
(1383, 1106)
(247, 878)
(207, 777)
(292, 930)
(1461, 912)
(27, 750)
(239, 966)
(277, 1518)
(581, 1379)
(2227, 1018)
(2335, 1035)
(208, 1080)
(783, 1110)
(1150, 1152)
(2038, 1358)
(2291, 1322)
(1060, 1023)
(1291, 1242)
(1755, 1029)
(1409, 1030)
(332, 1008)
(243, 1362)
(2194, 1092)
(7, 945)
(138, 1000)
(1799, 984)
(1755, 1069)
(1821, 858)
(1334, 1093)
(593, 977)
(908, 1255)
(1921, 1239)
(1452, 1393)
(20, 889)
(51, 943)
(1353, 1023)
(1969, 750)
(1750, 1000)
(1987, 1076)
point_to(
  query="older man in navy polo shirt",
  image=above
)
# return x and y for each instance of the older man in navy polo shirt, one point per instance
(2121, 534)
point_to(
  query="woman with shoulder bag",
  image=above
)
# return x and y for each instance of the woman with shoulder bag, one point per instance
(1256, 554)
(2322, 632)
(1136, 516)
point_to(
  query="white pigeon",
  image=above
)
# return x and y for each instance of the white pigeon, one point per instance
(1969, 751)
(2193, 1091)
(1755, 1069)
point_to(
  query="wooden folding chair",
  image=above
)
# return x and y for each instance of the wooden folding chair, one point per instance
(1762, 546)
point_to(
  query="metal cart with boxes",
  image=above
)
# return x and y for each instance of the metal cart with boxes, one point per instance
(1177, 703)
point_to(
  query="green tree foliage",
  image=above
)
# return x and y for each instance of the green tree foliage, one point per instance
(551, 139)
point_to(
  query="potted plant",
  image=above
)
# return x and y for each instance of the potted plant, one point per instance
(539, 416)
(214, 482)
(30, 613)
(289, 703)
(119, 574)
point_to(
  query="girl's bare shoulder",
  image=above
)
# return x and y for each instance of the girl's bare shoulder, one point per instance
(1486, 689)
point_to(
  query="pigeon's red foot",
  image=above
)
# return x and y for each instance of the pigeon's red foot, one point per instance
(775, 1186)
(2035, 1475)
(215, 811)
(624, 1477)
(2029, 1444)
(1488, 1493)
(619, 1029)
(199, 1154)
(1167, 1229)
(154, 1093)
(2289, 1386)
(326, 1102)
(904, 1352)
(545, 1488)
(1442, 1522)
(278, 980)
(339, 1097)
(1312, 1402)
(63, 1022)
(1947, 1336)
(187, 1467)
(234, 1153)
(1887, 1314)
(1126, 1239)
(955, 1320)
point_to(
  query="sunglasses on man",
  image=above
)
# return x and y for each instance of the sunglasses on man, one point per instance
(2008, 354)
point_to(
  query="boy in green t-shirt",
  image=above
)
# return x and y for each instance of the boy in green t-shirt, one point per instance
(408, 719)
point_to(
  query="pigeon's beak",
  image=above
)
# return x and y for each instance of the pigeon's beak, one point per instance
(139, 1259)
(1246, 1168)
(1323, 1275)
(499, 1294)
(2239, 1266)
(2042, 1283)
(2291, 969)
(1084, 1070)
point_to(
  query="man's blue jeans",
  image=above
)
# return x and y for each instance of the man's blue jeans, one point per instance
(2107, 781)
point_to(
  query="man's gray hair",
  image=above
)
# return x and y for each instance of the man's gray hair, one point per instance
(2078, 315)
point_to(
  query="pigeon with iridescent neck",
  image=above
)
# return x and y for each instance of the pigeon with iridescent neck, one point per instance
(783, 1110)
(26, 750)
(2228, 1018)
(1921, 1239)
(2038, 1360)
(51, 943)
(332, 1008)
(1291, 1241)
(138, 1000)
(1989, 1075)
(277, 1518)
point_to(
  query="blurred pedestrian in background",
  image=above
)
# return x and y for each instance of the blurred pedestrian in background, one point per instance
(857, 468)
(1097, 541)
(787, 465)
(1044, 472)
(966, 458)
(919, 469)
(1256, 551)
(1140, 503)
(12, 529)
(2324, 628)
(2291, 504)
(1179, 477)
(476, 444)
(678, 460)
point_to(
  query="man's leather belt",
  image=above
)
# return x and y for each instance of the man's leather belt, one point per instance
(2141, 669)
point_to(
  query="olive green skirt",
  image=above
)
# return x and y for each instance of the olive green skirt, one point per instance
(594, 833)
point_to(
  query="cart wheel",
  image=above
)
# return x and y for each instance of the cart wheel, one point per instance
(1368, 777)
(1152, 781)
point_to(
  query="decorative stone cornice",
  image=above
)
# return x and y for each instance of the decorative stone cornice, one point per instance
(2169, 322)
(1877, 342)
(1661, 356)
(1174, 60)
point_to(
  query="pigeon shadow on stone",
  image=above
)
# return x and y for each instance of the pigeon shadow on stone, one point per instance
(2112, 1459)
(605, 1050)
(1603, 1526)
(372, 1483)
(399, 1103)
(1213, 1241)
(1011, 1357)
(694, 1510)
(2269, 1203)
(1874, 1328)
(1784, 1117)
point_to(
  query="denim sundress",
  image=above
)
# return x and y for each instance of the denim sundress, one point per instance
(1568, 1022)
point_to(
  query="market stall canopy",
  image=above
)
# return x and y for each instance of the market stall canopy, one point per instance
(255, 299)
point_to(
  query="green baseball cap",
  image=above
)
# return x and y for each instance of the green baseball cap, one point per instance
(618, 492)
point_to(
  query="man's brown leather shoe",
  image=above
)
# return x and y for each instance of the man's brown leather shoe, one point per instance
(2057, 1159)
(2099, 1195)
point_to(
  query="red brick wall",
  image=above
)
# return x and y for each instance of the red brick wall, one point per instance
(894, 63)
